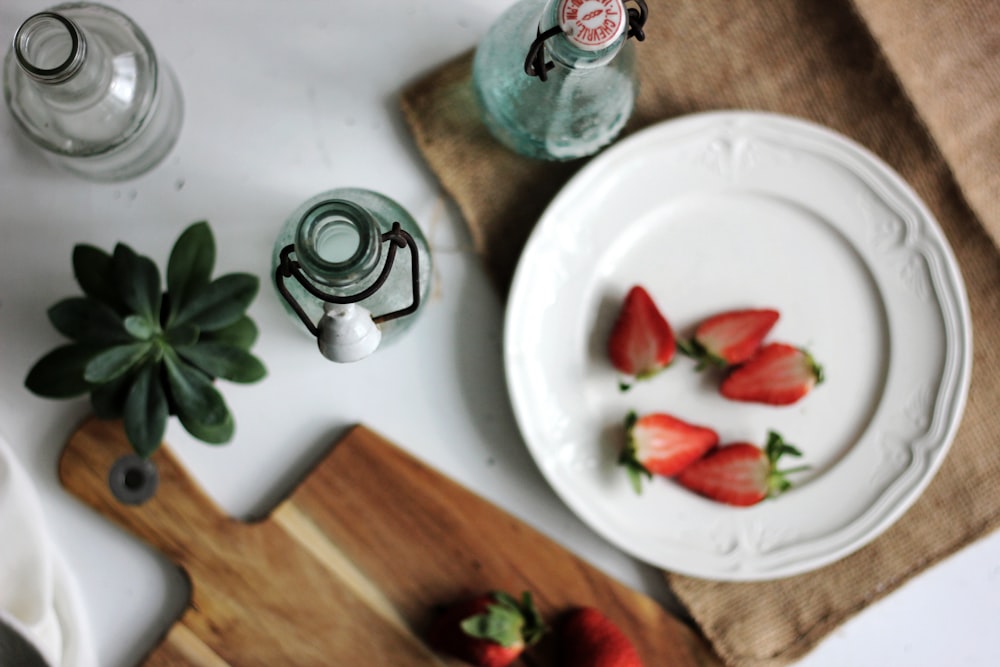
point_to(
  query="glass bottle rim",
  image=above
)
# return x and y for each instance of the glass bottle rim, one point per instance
(315, 234)
(64, 70)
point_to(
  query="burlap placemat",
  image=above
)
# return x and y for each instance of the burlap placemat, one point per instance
(946, 55)
(815, 59)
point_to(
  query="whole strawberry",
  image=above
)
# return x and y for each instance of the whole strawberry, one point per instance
(729, 338)
(587, 638)
(741, 474)
(778, 374)
(489, 630)
(641, 342)
(661, 444)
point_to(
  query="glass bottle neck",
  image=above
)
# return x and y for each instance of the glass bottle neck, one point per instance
(337, 243)
(54, 52)
(593, 31)
(50, 48)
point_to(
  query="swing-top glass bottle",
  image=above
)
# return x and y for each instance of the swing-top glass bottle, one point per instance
(352, 267)
(555, 79)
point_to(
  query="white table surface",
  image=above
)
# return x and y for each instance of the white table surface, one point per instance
(284, 100)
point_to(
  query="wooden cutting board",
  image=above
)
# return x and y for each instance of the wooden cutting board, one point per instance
(349, 568)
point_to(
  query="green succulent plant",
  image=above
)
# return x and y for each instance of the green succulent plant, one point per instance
(144, 354)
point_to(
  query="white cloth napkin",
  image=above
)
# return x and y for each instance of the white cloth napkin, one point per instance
(36, 589)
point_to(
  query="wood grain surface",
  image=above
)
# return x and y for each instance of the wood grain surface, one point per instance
(348, 570)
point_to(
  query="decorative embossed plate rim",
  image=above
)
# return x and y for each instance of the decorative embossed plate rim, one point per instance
(736, 209)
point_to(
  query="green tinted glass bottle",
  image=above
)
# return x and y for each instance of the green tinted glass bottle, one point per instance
(352, 267)
(555, 79)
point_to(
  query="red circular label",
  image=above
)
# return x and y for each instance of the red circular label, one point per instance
(592, 24)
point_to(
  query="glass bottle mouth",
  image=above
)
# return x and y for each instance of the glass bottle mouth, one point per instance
(338, 243)
(49, 47)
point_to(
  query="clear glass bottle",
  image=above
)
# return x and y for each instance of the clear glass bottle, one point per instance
(572, 107)
(345, 260)
(84, 83)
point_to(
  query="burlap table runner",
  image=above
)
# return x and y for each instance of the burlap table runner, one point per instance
(821, 60)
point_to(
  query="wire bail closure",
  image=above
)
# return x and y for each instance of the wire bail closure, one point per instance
(396, 237)
(535, 63)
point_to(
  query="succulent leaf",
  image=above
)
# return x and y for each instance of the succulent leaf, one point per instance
(59, 374)
(87, 320)
(180, 336)
(92, 268)
(224, 361)
(223, 302)
(189, 268)
(242, 333)
(140, 327)
(138, 281)
(212, 434)
(197, 401)
(115, 361)
(146, 411)
(108, 399)
(144, 354)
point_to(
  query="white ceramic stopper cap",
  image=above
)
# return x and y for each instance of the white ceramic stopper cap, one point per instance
(347, 333)
(592, 25)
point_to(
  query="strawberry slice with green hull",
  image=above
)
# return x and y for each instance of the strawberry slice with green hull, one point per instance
(642, 343)
(741, 474)
(585, 637)
(490, 630)
(661, 444)
(778, 374)
(729, 338)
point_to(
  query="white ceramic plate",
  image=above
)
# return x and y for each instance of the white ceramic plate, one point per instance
(727, 210)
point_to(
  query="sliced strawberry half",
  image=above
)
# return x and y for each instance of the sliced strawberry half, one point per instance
(779, 374)
(642, 342)
(729, 338)
(660, 444)
(741, 474)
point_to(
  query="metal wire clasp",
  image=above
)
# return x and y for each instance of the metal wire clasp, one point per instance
(535, 63)
(396, 237)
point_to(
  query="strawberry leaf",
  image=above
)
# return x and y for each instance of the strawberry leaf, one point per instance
(501, 627)
(534, 625)
(627, 459)
(635, 470)
(817, 370)
(695, 350)
(507, 622)
(689, 348)
(777, 447)
(777, 480)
